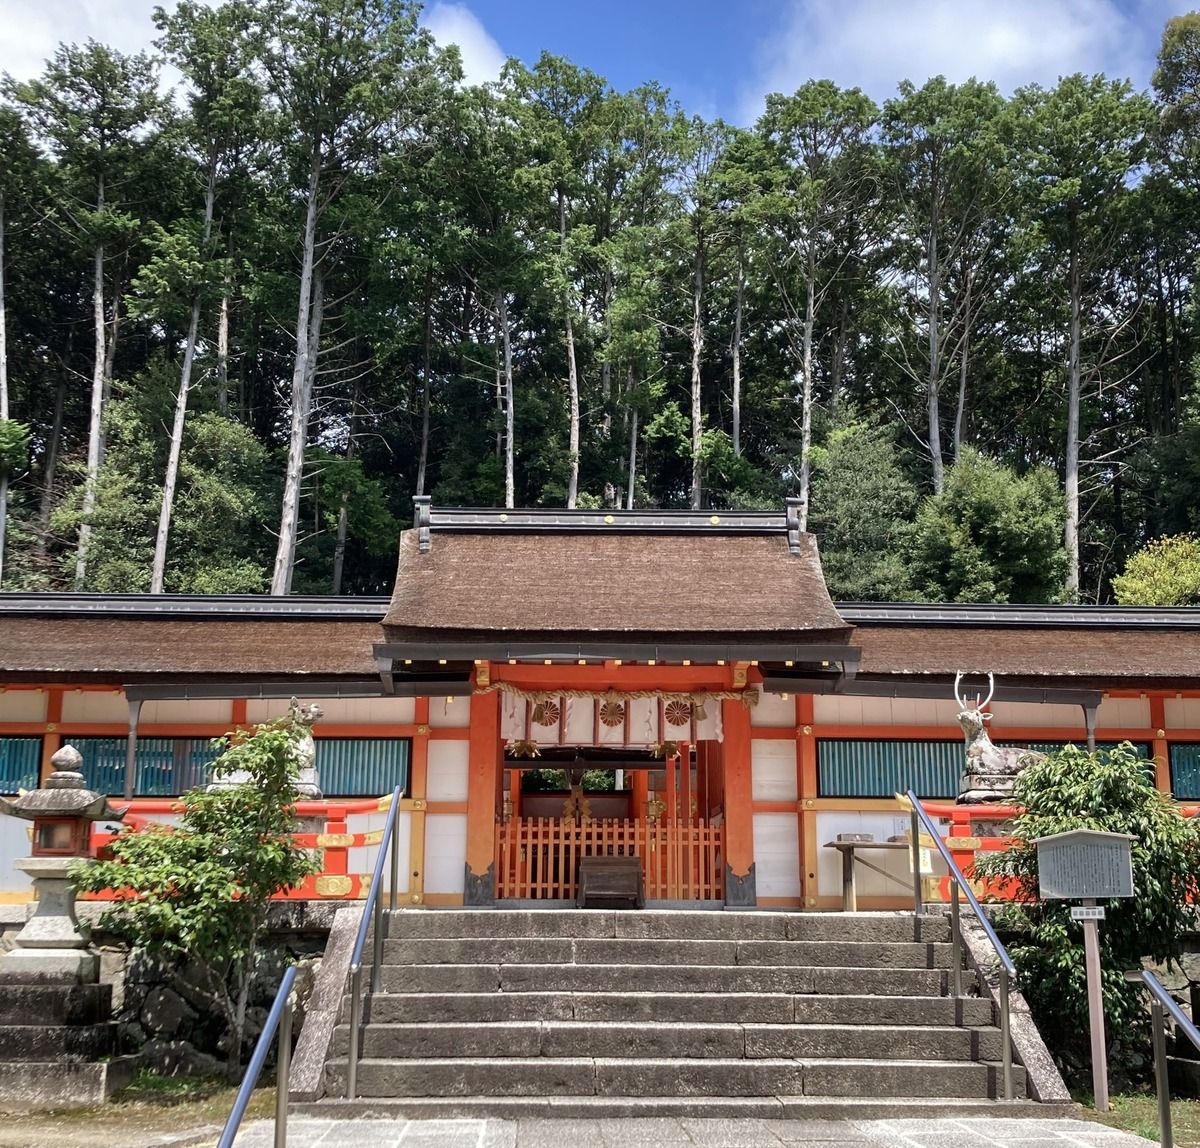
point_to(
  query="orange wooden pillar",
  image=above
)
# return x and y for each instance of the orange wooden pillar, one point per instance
(484, 781)
(640, 786)
(1161, 748)
(418, 783)
(51, 740)
(807, 790)
(739, 812)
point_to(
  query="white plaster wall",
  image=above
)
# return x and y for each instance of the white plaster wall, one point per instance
(449, 713)
(773, 770)
(22, 705)
(774, 710)
(95, 706)
(832, 709)
(15, 837)
(445, 852)
(867, 882)
(267, 709)
(449, 762)
(1124, 713)
(340, 711)
(777, 855)
(1037, 715)
(1182, 713)
(192, 711)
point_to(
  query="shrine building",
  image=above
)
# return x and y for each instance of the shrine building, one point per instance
(690, 664)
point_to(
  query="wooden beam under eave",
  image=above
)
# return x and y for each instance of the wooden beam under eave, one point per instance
(682, 679)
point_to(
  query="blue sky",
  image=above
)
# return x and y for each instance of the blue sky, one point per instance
(720, 57)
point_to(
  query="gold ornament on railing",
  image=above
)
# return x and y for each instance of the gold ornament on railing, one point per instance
(664, 749)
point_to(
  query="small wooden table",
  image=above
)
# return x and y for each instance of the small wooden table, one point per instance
(848, 850)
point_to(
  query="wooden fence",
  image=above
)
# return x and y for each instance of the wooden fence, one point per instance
(537, 858)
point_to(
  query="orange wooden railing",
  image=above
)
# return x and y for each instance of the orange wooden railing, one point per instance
(334, 882)
(537, 858)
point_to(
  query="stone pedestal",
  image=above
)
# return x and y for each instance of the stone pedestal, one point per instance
(52, 947)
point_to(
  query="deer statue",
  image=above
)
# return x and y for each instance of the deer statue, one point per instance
(990, 769)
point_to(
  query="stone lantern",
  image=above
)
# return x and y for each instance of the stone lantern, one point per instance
(52, 947)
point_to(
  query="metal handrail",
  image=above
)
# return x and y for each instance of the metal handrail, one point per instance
(1161, 1000)
(280, 1017)
(372, 908)
(958, 882)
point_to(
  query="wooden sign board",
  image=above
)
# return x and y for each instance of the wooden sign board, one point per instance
(1084, 864)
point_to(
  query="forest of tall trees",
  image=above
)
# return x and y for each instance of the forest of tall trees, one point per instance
(243, 321)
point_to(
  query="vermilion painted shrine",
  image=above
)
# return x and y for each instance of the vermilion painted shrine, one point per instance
(699, 654)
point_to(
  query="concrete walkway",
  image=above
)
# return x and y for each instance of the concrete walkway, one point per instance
(310, 1132)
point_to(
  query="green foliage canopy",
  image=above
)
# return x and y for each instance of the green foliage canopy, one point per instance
(1165, 572)
(991, 535)
(198, 891)
(1111, 790)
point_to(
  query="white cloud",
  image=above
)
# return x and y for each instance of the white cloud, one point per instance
(33, 30)
(450, 23)
(873, 44)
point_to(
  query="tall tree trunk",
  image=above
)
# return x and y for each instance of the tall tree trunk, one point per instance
(633, 435)
(806, 377)
(97, 407)
(960, 411)
(572, 375)
(605, 365)
(343, 522)
(426, 383)
(3, 395)
(697, 349)
(50, 465)
(737, 357)
(159, 568)
(935, 346)
(837, 359)
(289, 517)
(223, 352)
(1071, 469)
(506, 367)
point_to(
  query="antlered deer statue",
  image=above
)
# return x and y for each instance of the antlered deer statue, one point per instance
(990, 769)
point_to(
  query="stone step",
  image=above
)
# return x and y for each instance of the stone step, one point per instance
(763, 1008)
(658, 1041)
(665, 924)
(521, 978)
(55, 1004)
(25, 1042)
(637, 951)
(585, 1076)
(800, 1108)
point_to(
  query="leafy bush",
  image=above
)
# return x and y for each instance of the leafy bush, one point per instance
(1114, 791)
(198, 891)
(991, 535)
(1165, 572)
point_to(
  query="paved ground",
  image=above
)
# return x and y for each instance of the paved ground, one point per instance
(310, 1132)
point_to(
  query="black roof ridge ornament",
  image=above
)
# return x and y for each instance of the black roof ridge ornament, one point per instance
(792, 505)
(428, 520)
(422, 507)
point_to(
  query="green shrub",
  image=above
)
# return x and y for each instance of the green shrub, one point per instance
(1111, 790)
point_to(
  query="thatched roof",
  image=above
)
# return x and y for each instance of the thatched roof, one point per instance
(586, 580)
(83, 647)
(611, 584)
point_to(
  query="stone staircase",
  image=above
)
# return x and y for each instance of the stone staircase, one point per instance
(575, 1013)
